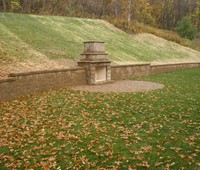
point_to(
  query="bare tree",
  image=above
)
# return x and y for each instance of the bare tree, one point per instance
(116, 7)
(129, 10)
(4, 5)
(103, 8)
(70, 6)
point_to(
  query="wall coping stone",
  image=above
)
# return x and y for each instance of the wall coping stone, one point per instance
(129, 65)
(45, 72)
(81, 68)
(94, 53)
(93, 42)
(172, 64)
(93, 62)
(7, 80)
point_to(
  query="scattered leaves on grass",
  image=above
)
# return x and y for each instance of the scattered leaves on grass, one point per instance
(67, 129)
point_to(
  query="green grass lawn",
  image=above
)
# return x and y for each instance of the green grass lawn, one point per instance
(27, 37)
(67, 129)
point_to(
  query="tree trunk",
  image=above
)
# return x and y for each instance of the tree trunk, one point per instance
(103, 8)
(116, 8)
(198, 17)
(4, 5)
(70, 6)
(26, 6)
(70, 3)
(54, 6)
(129, 11)
(44, 3)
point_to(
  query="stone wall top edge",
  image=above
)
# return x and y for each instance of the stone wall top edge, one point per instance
(7, 80)
(94, 53)
(93, 42)
(130, 65)
(173, 64)
(93, 61)
(45, 72)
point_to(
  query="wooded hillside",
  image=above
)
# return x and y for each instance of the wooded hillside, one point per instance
(159, 13)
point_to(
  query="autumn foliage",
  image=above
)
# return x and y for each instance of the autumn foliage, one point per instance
(159, 13)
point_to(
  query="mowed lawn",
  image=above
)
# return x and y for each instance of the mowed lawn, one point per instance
(67, 129)
(32, 37)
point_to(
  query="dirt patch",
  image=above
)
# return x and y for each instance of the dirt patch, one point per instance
(121, 86)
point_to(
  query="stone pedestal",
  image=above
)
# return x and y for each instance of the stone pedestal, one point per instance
(95, 61)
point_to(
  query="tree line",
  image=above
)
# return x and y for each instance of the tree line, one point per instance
(163, 14)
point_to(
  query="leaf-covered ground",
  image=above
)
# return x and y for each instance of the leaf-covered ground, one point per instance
(67, 129)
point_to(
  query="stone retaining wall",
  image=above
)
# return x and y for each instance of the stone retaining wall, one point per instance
(122, 72)
(172, 67)
(22, 84)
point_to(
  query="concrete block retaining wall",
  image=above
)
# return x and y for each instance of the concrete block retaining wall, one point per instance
(22, 84)
(121, 72)
(155, 69)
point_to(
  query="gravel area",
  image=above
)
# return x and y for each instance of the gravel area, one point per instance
(121, 86)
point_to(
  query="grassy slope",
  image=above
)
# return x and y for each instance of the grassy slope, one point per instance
(195, 44)
(82, 130)
(30, 37)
